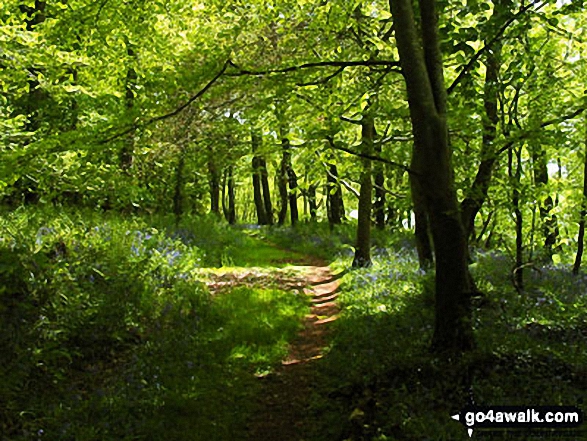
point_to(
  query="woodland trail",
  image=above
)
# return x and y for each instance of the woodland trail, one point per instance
(282, 407)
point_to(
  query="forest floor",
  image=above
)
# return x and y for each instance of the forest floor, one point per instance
(282, 407)
(240, 334)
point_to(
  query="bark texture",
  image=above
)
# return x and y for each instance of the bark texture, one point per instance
(379, 184)
(229, 200)
(431, 161)
(363, 247)
(548, 219)
(287, 179)
(214, 183)
(515, 175)
(282, 181)
(477, 194)
(583, 214)
(334, 201)
(422, 227)
(266, 193)
(257, 184)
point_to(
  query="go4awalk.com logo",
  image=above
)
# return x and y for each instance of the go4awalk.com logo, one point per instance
(519, 417)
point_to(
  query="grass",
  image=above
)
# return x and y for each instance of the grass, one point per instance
(380, 381)
(107, 332)
(210, 396)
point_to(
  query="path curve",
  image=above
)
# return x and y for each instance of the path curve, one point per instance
(283, 404)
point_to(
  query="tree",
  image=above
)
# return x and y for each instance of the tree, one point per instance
(424, 78)
(334, 200)
(362, 257)
(583, 213)
(421, 227)
(262, 215)
(379, 185)
(476, 195)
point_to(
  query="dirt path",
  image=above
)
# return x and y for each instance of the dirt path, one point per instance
(283, 406)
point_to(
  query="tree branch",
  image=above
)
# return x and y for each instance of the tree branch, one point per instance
(546, 123)
(371, 157)
(323, 80)
(350, 120)
(385, 190)
(343, 64)
(488, 45)
(178, 110)
(348, 186)
(340, 180)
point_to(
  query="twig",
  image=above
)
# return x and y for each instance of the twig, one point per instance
(372, 157)
(547, 123)
(344, 64)
(323, 80)
(465, 70)
(178, 110)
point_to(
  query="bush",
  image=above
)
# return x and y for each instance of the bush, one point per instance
(78, 291)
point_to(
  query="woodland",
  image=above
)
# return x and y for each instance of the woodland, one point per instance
(274, 220)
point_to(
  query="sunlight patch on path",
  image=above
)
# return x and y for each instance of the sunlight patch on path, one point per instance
(283, 407)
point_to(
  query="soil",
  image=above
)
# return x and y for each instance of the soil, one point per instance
(283, 406)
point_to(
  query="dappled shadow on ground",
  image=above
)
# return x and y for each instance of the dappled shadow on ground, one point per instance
(282, 409)
(380, 381)
(290, 277)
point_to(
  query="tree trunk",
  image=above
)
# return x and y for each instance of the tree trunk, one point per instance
(486, 225)
(266, 193)
(287, 178)
(422, 228)
(231, 209)
(477, 194)
(379, 202)
(214, 183)
(223, 193)
(334, 201)
(362, 257)
(257, 193)
(312, 202)
(257, 189)
(127, 151)
(293, 190)
(393, 212)
(548, 219)
(178, 191)
(515, 176)
(423, 73)
(580, 239)
(228, 202)
(282, 184)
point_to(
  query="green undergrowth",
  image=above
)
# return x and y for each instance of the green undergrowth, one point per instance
(320, 240)
(379, 380)
(107, 332)
(226, 246)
